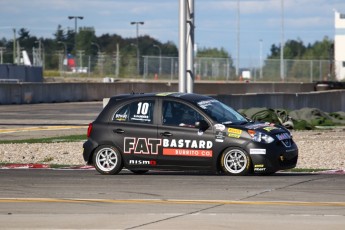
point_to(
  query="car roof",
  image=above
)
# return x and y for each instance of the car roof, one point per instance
(191, 97)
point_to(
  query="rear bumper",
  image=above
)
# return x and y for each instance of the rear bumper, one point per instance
(88, 148)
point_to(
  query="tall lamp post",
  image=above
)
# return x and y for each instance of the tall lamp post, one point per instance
(99, 56)
(238, 39)
(41, 52)
(65, 47)
(260, 58)
(75, 29)
(160, 59)
(282, 74)
(138, 53)
(65, 50)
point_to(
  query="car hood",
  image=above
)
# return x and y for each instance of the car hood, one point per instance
(264, 127)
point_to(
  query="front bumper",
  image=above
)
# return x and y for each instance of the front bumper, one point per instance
(275, 157)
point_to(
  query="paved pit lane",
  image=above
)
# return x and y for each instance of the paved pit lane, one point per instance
(83, 199)
(46, 120)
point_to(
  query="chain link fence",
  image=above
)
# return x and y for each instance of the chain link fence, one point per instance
(166, 68)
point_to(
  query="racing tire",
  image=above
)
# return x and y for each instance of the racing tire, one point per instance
(236, 162)
(107, 160)
(139, 171)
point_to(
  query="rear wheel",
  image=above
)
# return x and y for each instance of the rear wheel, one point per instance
(107, 160)
(235, 161)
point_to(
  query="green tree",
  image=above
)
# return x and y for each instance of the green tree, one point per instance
(85, 37)
(320, 50)
(213, 52)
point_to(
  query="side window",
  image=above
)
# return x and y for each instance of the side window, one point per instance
(178, 114)
(138, 112)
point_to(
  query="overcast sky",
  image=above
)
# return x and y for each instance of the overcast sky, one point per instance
(216, 20)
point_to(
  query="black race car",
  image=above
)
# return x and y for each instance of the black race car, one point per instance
(181, 131)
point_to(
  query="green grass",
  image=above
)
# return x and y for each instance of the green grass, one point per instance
(71, 138)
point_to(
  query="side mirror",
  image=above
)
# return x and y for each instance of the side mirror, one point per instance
(202, 125)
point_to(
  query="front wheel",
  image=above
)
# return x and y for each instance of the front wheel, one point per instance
(107, 160)
(235, 161)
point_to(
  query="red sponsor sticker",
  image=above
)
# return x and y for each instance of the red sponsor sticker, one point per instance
(187, 152)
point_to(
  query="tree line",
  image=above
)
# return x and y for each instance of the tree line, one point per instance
(87, 41)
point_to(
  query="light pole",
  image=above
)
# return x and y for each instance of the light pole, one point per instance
(238, 39)
(160, 59)
(2, 49)
(99, 59)
(65, 51)
(282, 77)
(75, 29)
(65, 47)
(260, 57)
(39, 62)
(138, 53)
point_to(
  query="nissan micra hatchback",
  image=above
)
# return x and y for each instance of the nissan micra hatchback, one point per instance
(180, 131)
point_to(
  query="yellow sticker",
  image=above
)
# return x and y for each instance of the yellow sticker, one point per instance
(235, 131)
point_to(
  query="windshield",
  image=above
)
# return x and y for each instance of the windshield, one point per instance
(220, 112)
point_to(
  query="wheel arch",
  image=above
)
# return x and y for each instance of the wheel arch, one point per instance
(90, 160)
(224, 150)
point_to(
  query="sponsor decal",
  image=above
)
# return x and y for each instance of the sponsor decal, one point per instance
(141, 118)
(220, 127)
(192, 144)
(205, 104)
(220, 136)
(259, 168)
(256, 126)
(236, 133)
(141, 145)
(151, 145)
(283, 136)
(187, 152)
(257, 151)
(121, 117)
(142, 162)
(142, 113)
(270, 128)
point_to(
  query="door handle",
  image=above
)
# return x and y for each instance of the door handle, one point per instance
(118, 131)
(166, 134)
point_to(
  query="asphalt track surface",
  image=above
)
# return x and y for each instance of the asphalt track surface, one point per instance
(84, 199)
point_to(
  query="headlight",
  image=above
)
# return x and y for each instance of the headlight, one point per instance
(260, 137)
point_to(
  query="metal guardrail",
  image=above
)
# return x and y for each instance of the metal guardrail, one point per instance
(9, 80)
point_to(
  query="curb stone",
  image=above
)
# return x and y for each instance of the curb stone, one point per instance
(42, 166)
(87, 167)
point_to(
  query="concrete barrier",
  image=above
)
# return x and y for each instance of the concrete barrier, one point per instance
(328, 101)
(238, 95)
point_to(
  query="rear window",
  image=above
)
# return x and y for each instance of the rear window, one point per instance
(137, 112)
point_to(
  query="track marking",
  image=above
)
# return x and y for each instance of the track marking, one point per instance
(173, 201)
(40, 128)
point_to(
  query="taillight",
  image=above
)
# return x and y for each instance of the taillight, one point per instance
(89, 130)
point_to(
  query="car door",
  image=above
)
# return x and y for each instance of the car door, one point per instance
(184, 145)
(134, 132)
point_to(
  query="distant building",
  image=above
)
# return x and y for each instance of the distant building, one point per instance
(339, 46)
